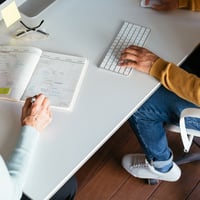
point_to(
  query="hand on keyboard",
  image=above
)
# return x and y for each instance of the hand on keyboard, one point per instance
(129, 34)
(138, 58)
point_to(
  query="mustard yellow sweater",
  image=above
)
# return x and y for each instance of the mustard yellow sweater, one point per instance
(190, 4)
(177, 80)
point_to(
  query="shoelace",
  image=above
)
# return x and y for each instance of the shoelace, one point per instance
(139, 163)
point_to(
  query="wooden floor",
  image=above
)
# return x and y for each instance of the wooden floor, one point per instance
(103, 178)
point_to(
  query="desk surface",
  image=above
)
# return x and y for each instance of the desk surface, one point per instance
(86, 28)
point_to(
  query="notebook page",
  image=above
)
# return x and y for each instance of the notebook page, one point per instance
(17, 64)
(59, 77)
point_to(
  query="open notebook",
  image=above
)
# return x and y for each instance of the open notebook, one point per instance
(27, 71)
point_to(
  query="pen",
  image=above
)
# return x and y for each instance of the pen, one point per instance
(33, 99)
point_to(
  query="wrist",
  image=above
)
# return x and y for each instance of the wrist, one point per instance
(30, 121)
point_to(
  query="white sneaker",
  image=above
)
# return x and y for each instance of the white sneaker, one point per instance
(138, 166)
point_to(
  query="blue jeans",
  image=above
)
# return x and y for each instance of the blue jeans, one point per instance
(148, 124)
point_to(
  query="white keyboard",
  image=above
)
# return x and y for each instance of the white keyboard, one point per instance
(130, 34)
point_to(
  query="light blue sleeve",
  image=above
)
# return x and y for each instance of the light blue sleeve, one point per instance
(20, 159)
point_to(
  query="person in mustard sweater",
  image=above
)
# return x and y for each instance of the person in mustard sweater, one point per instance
(165, 5)
(164, 106)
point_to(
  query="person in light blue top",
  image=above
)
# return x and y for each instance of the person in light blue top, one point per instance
(36, 115)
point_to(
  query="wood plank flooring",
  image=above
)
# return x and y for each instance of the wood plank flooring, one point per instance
(103, 178)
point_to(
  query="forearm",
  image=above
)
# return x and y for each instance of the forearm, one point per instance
(193, 5)
(175, 79)
(34, 118)
(19, 162)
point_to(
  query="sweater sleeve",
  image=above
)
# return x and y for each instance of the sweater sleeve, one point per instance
(193, 5)
(14, 175)
(177, 80)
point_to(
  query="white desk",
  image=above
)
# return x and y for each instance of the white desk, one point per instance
(105, 102)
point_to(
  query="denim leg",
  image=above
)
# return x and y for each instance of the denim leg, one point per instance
(148, 124)
(192, 123)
